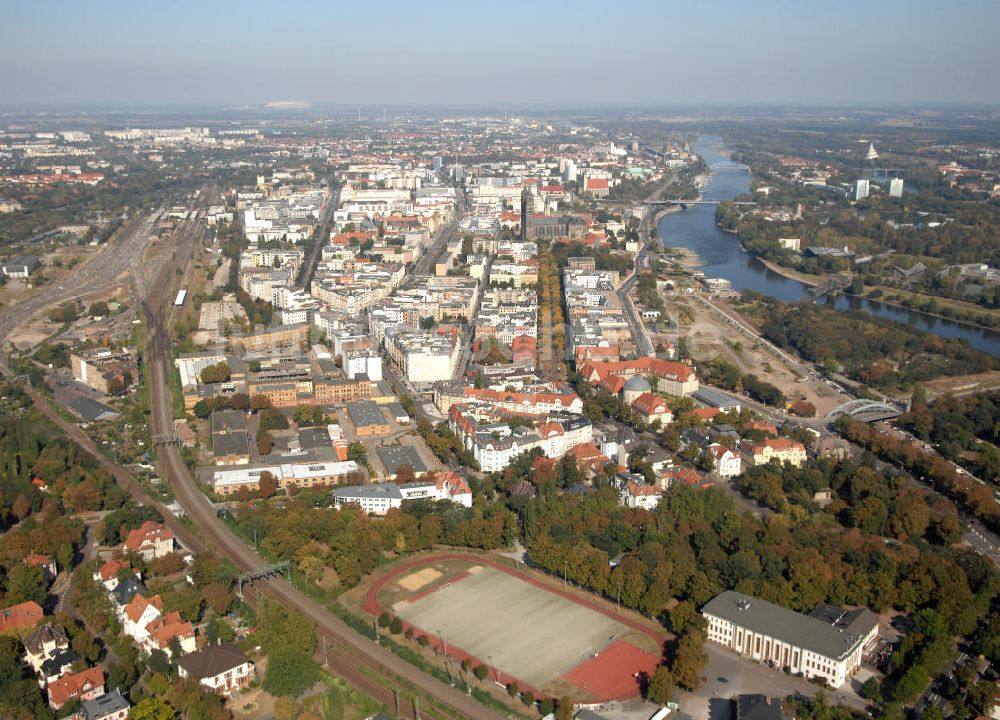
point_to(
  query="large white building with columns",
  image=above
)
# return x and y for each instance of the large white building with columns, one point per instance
(827, 643)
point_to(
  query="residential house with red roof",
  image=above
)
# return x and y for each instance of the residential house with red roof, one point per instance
(762, 425)
(162, 631)
(108, 573)
(727, 463)
(705, 415)
(679, 474)
(138, 614)
(150, 541)
(782, 449)
(653, 409)
(82, 686)
(638, 495)
(589, 457)
(151, 629)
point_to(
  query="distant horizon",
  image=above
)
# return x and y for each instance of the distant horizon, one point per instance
(636, 53)
(511, 108)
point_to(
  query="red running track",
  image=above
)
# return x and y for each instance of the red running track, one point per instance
(601, 676)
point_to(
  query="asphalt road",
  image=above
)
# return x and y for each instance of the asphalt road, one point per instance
(306, 274)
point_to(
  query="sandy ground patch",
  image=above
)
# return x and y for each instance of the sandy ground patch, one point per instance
(416, 580)
(709, 337)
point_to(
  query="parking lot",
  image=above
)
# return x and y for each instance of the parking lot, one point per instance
(727, 676)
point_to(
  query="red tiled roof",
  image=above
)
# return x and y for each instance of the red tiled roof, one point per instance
(783, 444)
(586, 451)
(650, 404)
(138, 605)
(22, 615)
(761, 425)
(668, 369)
(550, 429)
(110, 569)
(682, 474)
(150, 532)
(166, 628)
(636, 490)
(71, 686)
(705, 414)
(457, 482)
(36, 560)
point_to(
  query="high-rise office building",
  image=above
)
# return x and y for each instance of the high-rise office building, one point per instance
(525, 201)
(569, 171)
(861, 189)
(896, 187)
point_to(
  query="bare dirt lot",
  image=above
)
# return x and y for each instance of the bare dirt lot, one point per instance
(710, 337)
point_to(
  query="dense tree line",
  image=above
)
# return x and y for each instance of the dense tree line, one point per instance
(975, 498)
(696, 544)
(352, 544)
(726, 375)
(965, 430)
(604, 259)
(877, 502)
(31, 449)
(445, 444)
(880, 352)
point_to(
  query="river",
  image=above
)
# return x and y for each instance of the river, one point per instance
(722, 256)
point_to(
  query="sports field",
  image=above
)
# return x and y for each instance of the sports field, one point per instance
(532, 634)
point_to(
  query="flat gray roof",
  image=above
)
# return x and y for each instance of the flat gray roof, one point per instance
(228, 421)
(365, 412)
(89, 410)
(393, 456)
(375, 490)
(714, 398)
(804, 631)
(236, 442)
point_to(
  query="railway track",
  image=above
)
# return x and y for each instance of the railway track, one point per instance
(363, 664)
(348, 653)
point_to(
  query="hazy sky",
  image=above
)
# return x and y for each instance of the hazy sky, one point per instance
(543, 52)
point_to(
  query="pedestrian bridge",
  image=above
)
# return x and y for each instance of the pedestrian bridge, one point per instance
(866, 410)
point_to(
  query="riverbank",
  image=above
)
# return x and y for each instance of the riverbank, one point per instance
(669, 210)
(906, 308)
(697, 229)
(805, 279)
(689, 260)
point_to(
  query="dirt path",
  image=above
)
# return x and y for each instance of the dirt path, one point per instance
(963, 384)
